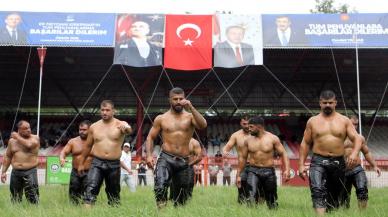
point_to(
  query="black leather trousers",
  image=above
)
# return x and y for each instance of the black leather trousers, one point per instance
(100, 170)
(262, 178)
(27, 181)
(327, 181)
(173, 170)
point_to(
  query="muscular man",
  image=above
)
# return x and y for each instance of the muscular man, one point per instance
(22, 153)
(195, 157)
(177, 127)
(259, 151)
(326, 133)
(77, 147)
(237, 139)
(105, 137)
(356, 175)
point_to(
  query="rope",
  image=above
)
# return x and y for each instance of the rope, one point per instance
(338, 80)
(22, 90)
(83, 106)
(288, 90)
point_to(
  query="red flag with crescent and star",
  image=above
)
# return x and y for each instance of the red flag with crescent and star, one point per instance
(188, 42)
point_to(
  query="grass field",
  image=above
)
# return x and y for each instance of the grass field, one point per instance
(206, 202)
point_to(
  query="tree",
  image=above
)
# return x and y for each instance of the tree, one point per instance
(327, 7)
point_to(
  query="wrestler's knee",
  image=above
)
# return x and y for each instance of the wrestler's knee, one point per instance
(362, 193)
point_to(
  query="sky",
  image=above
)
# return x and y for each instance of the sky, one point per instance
(183, 6)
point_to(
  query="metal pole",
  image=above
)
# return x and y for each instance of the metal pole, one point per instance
(39, 99)
(358, 87)
(42, 55)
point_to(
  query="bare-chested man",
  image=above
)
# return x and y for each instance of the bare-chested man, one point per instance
(77, 147)
(326, 133)
(177, 127)
(195, 157)
(105, 137)
(259, 151)
(237, 139)
(22, 153)
(356, 175)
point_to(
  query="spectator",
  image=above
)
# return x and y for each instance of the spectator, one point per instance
(218, 157)
(198, 174)
(213, 171)
(227, 169)
(126, 171)
(142, 173)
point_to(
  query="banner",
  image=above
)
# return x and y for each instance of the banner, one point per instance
(139, 39)
(238, 40)
(57, 174)
(57, 29)
(188, 42)
(326, 30)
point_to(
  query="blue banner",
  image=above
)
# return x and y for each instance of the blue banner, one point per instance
(325, 30)
(57, 29)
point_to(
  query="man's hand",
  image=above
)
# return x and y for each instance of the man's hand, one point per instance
(378, 171)
(303, 172)
(62, 162)
(226, 154)
(186, 104)
(351, 161)
(14, 135)
(3, 177)
(129, 171)
(238, 182)
(81, 170)
(286, 175)
(150, 162)
(123, 127)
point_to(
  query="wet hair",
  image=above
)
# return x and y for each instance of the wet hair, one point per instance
(176, 90)
(256, 121)
(244, 117)
(20, 123)
(327, 94)
(107, 102)
(234, 27)
(85, 122)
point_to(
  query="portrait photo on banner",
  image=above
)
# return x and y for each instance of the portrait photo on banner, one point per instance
(12, 29)
(237, 40)
(139, 39)
(283, 30)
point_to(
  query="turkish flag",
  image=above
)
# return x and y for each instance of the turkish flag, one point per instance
(188, 42)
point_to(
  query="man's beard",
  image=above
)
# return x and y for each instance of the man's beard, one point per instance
(83, 136)
(254, 133)
(246, 130)
(327, 111)
(178, 108)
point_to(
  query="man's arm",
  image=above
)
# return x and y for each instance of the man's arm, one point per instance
(356, 140)
(242, 159)
(229, 145)
(6, 161)
(197, 153)
(304, 149)
(89, 144)
(33, 142)
(65, 151)
(369, 158)
(283, 154)
(199, 121)
(154, 131)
